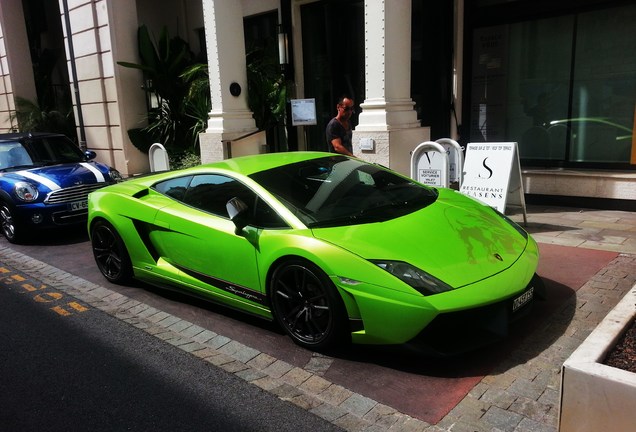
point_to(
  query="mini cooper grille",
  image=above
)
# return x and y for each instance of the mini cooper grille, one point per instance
(72, 194)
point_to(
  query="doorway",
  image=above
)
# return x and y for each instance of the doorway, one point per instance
(333, 51)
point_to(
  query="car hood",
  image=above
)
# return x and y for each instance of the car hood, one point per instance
(458, 241)
(63, 175)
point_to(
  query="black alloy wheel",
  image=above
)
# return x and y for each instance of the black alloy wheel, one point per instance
(308, 307)
(110, 253)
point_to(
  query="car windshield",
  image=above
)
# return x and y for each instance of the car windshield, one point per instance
(41, 151)
(336, 191)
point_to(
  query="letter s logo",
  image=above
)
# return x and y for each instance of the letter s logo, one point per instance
(488, 168)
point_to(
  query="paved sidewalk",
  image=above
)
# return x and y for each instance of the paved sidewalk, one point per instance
(521, 395)
(608, 230)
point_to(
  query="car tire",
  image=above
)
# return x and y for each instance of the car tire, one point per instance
(308, 307)
(110, 253)
(11, 229)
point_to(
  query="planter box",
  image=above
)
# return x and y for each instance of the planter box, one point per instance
(596, 397)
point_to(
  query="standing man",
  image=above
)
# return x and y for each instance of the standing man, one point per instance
(338, 130)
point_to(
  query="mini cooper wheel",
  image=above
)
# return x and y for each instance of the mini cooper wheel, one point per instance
(10, 227)
(110, 253)
(307, 306)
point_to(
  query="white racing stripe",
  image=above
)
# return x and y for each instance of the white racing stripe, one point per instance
(40, 179)
(98, 174)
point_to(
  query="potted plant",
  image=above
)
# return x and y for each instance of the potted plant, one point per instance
(596, 395)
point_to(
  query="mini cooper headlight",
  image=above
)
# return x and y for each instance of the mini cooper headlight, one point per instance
(25, 191)
(416, 278)
(115, 175)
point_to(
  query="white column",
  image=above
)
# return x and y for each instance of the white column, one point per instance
(230, 116)
(388, 116)
(388, 104)
(16, 70)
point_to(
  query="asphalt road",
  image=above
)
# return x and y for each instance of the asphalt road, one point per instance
(86, 370)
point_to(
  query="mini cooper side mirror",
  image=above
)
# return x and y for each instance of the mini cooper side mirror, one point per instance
(237, 211)
(90, 154)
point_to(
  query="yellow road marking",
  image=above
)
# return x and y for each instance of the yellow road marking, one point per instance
(78, 307)
(60, 310)
(14, 278)
(46, 297)
(42, 298)
(31, 288)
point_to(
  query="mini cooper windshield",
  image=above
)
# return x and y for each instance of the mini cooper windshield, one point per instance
(336, 191)
(38, 152)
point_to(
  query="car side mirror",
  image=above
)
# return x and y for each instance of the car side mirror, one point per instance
(237, 210)
(90, 154)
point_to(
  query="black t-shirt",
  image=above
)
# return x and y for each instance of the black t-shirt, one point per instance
(336, 130)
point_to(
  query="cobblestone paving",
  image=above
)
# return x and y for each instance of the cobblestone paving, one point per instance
(520, 395)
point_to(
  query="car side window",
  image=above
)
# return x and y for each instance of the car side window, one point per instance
(211, 192)
(174, 188)
(266, 217)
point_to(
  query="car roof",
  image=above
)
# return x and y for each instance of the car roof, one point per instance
(21, 135)
(248, 165)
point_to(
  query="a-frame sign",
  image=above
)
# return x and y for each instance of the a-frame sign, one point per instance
(492, 174)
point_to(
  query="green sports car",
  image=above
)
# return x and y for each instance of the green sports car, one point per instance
(335, 249)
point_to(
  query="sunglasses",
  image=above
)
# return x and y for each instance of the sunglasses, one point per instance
(348, 108)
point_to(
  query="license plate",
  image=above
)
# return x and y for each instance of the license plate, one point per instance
(523, 299)
(79, 205)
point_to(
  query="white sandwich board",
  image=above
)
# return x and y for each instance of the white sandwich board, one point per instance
(492, 174)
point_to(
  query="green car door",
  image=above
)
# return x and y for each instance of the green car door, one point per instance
(197, 237)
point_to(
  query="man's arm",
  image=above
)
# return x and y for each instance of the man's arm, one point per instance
(339, 148)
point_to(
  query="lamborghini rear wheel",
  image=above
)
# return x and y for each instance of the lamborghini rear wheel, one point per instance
(110, 253)
(307, 305)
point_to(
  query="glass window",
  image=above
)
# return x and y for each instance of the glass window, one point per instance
(174, 188)
(604, 86)
(337, 191)
(211, 192)
(57, 149)
(564, 88)
(14, 155)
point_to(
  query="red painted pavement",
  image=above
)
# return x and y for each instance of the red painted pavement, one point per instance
(428, 389)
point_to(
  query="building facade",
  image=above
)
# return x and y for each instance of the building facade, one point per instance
(558, 78)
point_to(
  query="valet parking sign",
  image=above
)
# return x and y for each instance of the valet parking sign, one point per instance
(492, 174)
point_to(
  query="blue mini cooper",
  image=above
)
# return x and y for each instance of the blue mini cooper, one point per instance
(45, 180)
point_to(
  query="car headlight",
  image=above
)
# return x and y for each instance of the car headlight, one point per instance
(418, 279)
(25, 191)
(115, 175)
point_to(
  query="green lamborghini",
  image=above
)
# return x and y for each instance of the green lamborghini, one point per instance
(336, 250)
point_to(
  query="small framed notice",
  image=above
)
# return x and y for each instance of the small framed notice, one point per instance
(303, 112)
(492, 174)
